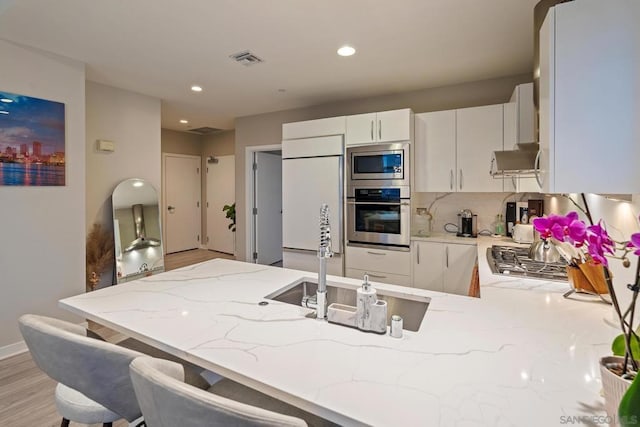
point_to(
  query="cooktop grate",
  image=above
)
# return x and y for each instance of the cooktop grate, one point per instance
(515, 261)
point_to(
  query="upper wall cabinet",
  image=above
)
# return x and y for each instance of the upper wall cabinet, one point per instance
(453, 149)
(385, 126)
(313, 128)
(590, 97)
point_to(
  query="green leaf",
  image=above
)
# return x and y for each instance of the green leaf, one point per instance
(629, 408)
(619, 349)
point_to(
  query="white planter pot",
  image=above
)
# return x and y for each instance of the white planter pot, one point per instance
(614, 387)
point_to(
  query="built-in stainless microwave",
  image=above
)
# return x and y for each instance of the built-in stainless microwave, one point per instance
(378, 165)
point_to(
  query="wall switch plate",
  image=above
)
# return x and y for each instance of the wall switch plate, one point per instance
(106, 146)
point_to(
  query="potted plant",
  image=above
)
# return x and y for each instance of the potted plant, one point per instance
(619, 372)
(230, 211)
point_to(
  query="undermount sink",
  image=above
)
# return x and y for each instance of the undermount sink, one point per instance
(410, 307)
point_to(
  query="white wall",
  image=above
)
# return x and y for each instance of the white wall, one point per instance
(42, 244)
(132, 122)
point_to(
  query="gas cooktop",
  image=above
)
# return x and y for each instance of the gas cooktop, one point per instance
(515, 261)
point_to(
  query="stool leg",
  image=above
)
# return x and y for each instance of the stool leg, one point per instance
(65, 423)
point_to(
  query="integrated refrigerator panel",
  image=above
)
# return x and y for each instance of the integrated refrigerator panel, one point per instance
(307, 183)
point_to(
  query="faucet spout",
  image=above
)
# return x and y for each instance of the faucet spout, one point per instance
(324, 252)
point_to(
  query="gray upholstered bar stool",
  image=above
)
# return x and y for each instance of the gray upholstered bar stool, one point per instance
(93, 375)
(166, 401)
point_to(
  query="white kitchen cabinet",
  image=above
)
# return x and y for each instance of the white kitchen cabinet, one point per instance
(443, 267)
(314, 128)
(478, 135)
(385, 126)
(382, 265)
(589, 92)
(435, 152)
(453, 149)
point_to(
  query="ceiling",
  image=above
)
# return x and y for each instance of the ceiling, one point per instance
(163, 47)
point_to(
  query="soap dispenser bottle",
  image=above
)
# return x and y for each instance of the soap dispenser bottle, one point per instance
(366, 297)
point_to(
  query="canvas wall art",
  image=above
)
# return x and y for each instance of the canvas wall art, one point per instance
(32, 141)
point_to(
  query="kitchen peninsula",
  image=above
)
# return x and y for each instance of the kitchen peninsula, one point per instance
(520, 355)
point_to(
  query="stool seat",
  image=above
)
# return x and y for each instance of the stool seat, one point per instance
(75, 406)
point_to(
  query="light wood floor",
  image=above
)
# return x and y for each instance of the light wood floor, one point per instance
(26, 393)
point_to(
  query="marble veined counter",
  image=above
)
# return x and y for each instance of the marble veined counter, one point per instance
(521, 355)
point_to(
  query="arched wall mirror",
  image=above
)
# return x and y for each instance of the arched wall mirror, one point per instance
(136, 230)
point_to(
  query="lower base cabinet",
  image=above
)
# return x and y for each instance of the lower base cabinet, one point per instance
(384, 266)
(443, 267)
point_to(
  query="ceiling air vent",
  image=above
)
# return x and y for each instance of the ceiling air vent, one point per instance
(204, 130)
(246, 58)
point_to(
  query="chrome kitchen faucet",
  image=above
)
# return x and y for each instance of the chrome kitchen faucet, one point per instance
(324, 252)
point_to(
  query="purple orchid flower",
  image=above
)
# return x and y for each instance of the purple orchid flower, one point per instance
(567, 228)
(599, 243)
(635, 242)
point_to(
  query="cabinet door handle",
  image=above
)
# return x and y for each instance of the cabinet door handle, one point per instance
(418, 249)
(461, 179)
(536, 168)
(450, 179)
(379, 130)
(446, 257)
(375, 275)
(376, 253)
(372, 130)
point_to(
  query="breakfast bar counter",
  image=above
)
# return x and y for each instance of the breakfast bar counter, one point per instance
(520, 355)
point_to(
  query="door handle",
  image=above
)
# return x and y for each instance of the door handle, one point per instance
(376, 253)
(536, 168)
(379, 130)
(461, 179)
(380, 203)
(377, 276)
(446, 256)
(171, 209)
(451, 179)
(418, 254)
(372, 130)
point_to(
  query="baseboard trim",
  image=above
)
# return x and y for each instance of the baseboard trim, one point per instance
(12, 349)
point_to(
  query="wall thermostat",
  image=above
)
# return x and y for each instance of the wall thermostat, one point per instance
(106, 146)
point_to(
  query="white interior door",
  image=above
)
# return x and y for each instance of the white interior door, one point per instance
(268, 204)
(221, 190)
(306, 184)
(182, 202)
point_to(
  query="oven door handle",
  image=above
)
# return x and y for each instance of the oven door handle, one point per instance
(379, 203)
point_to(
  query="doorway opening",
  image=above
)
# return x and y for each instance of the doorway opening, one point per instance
(263, 214)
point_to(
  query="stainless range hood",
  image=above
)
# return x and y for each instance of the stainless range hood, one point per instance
(141, 241)
(520, 162)
(523, 160)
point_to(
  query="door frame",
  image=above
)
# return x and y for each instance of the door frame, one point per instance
(164, 194)
(249, 196)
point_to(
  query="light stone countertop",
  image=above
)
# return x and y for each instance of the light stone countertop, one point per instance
(521, 355)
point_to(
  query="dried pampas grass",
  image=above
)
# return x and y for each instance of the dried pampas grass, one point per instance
(99, 254)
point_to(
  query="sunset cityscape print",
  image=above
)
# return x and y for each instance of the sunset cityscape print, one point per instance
(32, 141)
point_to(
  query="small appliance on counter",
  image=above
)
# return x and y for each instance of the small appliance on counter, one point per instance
(467, 224)
(523, 233)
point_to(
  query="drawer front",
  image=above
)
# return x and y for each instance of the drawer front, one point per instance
(395, 262)
(378, 276)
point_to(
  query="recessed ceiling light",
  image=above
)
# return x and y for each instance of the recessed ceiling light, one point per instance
(196, 88)
(4, 112)
(184, 122)
(346, 51)
(7, 100)
(138, 184)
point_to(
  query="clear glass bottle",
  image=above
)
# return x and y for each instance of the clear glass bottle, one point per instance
(499, 225)
(422, 222)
